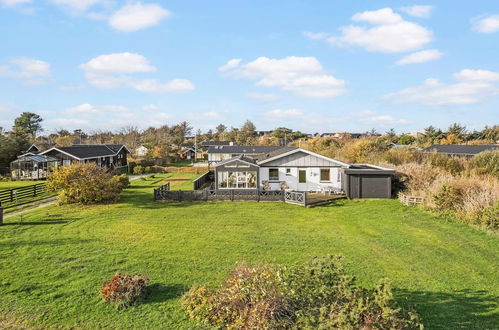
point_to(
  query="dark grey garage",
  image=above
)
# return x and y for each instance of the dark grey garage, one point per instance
(367, 181)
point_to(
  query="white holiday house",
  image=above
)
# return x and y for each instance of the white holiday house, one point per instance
(287, 168)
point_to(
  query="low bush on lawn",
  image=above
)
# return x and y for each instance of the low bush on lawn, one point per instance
(125, 290)
(317, 294)
(86, 184)
(138, 170)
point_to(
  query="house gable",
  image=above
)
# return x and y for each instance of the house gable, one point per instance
(301, 158)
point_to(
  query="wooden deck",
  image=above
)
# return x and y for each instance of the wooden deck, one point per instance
(316, 199)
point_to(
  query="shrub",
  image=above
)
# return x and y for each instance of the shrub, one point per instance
(325, 297)
(147, 169)
(125, 290)
(487, 162)
(139, 169)
(398, 156)
(122, 180)
(317, 294)
(251, 297)
(364, 150)
(86, 184)
(446, 199)
(453, 165)
(489, 217)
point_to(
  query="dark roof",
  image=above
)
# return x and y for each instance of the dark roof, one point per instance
(91, 150)
(460, 149)
(239, 157)
(274, 153)
(249, 150)
(214, 143)
(33, 149)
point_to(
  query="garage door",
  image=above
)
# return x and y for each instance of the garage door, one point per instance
(373, 186)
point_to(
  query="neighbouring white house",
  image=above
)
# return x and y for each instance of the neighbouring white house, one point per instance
(296, 169)
(140, 151)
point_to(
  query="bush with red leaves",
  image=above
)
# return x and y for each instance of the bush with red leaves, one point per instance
(125, 289)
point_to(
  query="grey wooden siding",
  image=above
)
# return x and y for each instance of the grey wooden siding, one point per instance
(300, 159)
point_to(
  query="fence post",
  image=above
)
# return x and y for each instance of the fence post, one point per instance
(258, 195)
(34, 190)
(232, 195)
(1, 213)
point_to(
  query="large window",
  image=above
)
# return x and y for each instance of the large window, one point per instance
(236, 180)
(325, 175)
(302, 176)
(273, 174)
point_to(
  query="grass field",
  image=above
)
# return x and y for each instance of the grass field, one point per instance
(53, 260)
(16, 184)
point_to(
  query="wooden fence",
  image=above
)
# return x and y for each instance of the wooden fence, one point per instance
(22, 195)
(410, 200)
(164, 193)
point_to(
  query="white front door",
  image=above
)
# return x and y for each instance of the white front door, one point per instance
(302, 180)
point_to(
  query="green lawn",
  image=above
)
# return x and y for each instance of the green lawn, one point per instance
(53, 260)
(17, 184)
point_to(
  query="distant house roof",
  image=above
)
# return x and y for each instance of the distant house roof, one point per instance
(281, 150)
(215, 143)
(249, 150)
(460, 149)
(84, 151)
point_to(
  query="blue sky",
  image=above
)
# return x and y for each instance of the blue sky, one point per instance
(310, 65)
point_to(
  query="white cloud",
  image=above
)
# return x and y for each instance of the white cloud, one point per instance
(150, 107)
(418, 11)
(154, 86)
(303, 76)
(231, 64)
(31, 71)
(477, 75)
(420, 57)
(11, 3)
(287, 114)
(390, 33)
(116, 70)
(472, 86)
(89, 109)
(263, 96)
(486, 24)
(118, 63)
(384, 120)
(77, 6)
(315, 35)
(137, 16)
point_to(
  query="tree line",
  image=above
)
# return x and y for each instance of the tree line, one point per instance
(166, 141)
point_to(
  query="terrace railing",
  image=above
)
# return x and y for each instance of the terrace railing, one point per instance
(22, 195)
(164, 193)
(296, 197)
(203, 180)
